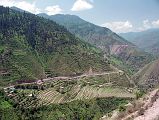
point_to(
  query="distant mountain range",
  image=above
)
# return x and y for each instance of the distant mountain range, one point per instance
(109, 42)
(147, 40)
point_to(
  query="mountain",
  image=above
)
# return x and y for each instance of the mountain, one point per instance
(148, 77)
(100, 36)
(147, 40)
(47, 73)
(32, 48)
(109, 42)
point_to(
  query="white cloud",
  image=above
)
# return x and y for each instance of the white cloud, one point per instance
(52, 10)
(155, 23)
(119, 27)
(80, 5)
(30, 7)
(146, 24)
(7, 3)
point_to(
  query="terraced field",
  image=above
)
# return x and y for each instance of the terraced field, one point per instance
(89, 92)
(86, 87)
(78, 93)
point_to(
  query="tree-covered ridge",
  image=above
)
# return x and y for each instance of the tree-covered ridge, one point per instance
(32, 47)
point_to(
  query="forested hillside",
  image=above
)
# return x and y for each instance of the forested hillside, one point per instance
(109, 42)
(32, 47)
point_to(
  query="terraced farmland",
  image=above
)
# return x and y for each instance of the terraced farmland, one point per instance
(86, 87)
(78, 93)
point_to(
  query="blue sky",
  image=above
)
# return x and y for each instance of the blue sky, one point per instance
(118, 15)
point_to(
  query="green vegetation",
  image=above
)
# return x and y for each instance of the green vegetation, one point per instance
(139, 94)
(62, 91)
(32, 48)
(79, 99)
(79, 110)
(7, 111)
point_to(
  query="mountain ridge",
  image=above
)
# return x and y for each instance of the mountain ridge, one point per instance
(109, 42)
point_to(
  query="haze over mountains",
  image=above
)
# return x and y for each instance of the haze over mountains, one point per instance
(147, 40)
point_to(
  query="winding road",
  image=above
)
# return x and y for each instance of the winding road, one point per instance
(70, 78)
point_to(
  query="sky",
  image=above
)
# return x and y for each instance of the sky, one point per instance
(119, 15)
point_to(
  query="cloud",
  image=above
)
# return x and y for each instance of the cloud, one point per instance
(30, 7)
(7, 3)
(146, 24)
(155, 23)
(81, 5)
(52, 10)
(119, 27)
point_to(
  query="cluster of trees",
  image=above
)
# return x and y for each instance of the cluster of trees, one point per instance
(31, 109)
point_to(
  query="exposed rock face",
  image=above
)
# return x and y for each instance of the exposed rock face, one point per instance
(117, 49)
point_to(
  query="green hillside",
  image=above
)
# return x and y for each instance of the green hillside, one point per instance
(109, 42)
(32, 47)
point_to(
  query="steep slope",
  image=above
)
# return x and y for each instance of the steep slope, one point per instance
(147, 40)
(100, 36)
(32, 48)
(103, 38)
(148, 77)
(145, 108)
